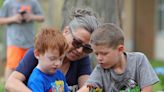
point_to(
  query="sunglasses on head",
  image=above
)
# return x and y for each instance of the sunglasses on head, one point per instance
(78, 43)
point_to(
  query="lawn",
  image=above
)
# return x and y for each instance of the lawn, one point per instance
(160, 85)
(1, 85)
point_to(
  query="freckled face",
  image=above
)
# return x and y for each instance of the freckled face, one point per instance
(50, 61)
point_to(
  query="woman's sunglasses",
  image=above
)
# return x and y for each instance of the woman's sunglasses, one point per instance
(78, 43)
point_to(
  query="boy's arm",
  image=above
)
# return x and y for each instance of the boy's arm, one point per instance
(15, 83)
(33, 17)
(38, 18)
(37, 14)
(147, 89)
(94, 79)
(82, 79)
(14, 19)
(146, 76)
(4, 14)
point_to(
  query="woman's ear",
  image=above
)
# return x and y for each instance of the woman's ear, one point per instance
(36, 53)
(66, 30)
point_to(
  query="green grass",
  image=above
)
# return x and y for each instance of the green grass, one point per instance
(1, 88)
(1, 85)
(157, 63)
(160, 85)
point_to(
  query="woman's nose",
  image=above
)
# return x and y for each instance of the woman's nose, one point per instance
(80, 50)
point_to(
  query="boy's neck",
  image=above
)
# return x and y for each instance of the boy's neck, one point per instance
(38, 66)
(121, 66)
(65, 65)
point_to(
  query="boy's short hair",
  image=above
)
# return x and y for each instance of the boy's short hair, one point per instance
(108, 34)
(50, 38)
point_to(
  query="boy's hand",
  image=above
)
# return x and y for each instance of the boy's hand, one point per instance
(93, 88)
(28, 17)
(17, 18)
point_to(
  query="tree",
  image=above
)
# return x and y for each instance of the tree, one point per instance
(108, 10)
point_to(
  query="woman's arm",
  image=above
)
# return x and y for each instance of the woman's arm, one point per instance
(84, 70)
(82, 79)
(15, 83)
(22, 73)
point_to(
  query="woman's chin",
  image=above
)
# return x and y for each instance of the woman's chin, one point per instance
(72, 57)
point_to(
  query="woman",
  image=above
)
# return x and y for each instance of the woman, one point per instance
(76, 65)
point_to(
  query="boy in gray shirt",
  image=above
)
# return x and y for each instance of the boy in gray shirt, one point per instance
(118, 70)
(19, 15)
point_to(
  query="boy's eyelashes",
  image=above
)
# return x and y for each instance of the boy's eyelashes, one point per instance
(52, 59)
(102, 53)
(55, 58)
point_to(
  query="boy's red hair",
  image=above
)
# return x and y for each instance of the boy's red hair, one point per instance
(50, 38)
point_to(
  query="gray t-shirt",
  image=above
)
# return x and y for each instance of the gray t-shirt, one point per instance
(139, 73)
(21, 35)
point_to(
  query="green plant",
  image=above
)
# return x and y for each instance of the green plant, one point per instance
(93, 88)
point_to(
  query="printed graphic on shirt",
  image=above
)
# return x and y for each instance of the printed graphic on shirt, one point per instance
(25, 8)
(57, 86)
(130, 86)
(135, 89)
(125, 85)
(73, 88)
